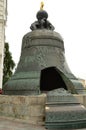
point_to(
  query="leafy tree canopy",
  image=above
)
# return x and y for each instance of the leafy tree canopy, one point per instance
(9, 64)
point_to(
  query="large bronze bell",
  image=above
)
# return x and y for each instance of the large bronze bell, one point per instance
(42, 66)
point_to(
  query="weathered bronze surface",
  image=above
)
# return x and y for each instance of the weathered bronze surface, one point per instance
(43, 68)
(42, 22)
(65, 116)
(63, 111)
(42, 55)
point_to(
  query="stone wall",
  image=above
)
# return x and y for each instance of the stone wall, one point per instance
(27, 108)
(31, 109)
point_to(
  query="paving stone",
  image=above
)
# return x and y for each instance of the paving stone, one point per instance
(10, 124)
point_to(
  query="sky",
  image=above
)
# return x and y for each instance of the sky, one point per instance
(69, 19)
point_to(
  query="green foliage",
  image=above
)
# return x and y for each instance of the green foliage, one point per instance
(8, 64)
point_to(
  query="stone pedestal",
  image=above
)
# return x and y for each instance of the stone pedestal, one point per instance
(29, 109)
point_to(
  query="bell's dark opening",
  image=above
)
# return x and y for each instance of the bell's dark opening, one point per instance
(51, 79)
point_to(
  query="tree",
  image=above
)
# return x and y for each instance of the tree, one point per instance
(8, 64)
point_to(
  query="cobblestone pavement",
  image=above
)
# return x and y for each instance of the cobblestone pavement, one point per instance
(10, 124)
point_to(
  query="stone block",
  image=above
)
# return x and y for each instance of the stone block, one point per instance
(18, 100)
(31, 108)
(84, 100)
(31, 100)
(41, 100)
(37, 110)
(5, 99)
